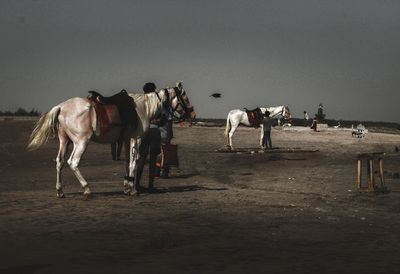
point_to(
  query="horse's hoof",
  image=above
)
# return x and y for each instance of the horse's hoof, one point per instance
(60, 195)
(87, 196)
(128, 187)
(134, 193)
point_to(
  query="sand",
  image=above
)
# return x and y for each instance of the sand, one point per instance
(272, 212)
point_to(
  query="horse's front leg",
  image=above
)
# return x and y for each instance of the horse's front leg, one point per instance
(139, 166)
(131, 152)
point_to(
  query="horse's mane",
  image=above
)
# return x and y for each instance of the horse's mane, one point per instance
(138, 97)
(149, 99)
(275, 110)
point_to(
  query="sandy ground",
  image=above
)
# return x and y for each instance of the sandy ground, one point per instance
(219, 213)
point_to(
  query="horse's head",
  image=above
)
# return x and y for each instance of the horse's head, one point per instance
(286, 113)
(179, 104)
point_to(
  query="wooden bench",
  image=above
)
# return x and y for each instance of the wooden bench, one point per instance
(369, 159)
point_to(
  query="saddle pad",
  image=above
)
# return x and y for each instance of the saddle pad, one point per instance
(255, 119)
(251, 117)
(103, 117)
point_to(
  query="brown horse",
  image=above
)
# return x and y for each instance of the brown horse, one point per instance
(78, 120)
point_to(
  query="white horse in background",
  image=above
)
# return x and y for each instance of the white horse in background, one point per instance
(238, 117)
(77, 120)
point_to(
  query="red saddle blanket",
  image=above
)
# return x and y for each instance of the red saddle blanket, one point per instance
(105, 114)
(255, 118)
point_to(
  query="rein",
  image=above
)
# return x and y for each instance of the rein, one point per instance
(178, 94)
(166, 104)
(279, 113)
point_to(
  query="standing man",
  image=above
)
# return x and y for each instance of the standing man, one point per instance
(267, 131)
(151, 144)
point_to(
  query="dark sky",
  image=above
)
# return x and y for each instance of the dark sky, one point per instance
(343, 53)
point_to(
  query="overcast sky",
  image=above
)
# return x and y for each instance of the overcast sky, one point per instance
(343, 53)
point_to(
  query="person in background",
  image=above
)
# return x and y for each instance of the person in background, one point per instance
(314, 124)
(116, 150)
(266, 143)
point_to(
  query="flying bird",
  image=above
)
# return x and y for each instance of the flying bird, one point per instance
(216, 95)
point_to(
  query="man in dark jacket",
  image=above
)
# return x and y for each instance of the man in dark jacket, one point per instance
(150, 145)
(266, 143)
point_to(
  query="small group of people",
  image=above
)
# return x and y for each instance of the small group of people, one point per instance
(160, 133)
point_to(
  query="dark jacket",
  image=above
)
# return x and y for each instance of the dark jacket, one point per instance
(266, 123)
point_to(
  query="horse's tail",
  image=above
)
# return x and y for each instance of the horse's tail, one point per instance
(46, 126)
(228, 125)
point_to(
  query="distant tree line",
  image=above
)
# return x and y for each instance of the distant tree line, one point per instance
(20, 112)
(330, 122)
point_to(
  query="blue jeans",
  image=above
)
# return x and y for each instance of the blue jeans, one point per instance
(267, 139)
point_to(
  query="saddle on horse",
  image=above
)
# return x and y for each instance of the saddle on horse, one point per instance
(255, 117)
(124, 103)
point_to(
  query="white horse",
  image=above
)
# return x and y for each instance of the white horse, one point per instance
(77, 120)
(238, 117)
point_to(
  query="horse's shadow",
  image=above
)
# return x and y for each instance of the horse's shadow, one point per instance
(186, 188)
(158, 190)
(95, 194)
(184, 176)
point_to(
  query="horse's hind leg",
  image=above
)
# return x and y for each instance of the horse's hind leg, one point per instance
(73, 161)
(129, 160)
(64, 141)
(230, 135)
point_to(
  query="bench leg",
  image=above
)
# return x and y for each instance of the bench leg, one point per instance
(359, 169)
(381, 173)
(370, 167)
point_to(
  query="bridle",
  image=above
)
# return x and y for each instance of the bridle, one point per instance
(285, 110)
(172, 111)
(281, 112)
